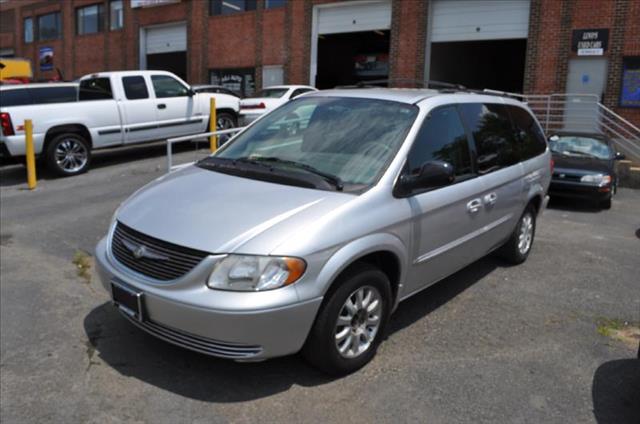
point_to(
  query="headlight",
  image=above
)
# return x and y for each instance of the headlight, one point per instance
(255, 273)
(600, 179)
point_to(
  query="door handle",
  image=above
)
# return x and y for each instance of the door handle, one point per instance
(162, 106)
(474, 205)
(490, 199)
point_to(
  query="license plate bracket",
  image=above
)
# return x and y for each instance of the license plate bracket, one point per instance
(128, 300)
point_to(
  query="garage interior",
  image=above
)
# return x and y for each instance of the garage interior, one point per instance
(349, 58)
(175, 62)
(494, 64)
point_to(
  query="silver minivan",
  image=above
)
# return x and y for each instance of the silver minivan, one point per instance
(308, 228)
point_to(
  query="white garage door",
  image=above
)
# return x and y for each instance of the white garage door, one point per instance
(354, 17)
(468, 20)
(165, 39)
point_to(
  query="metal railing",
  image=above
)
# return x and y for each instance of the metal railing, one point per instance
(585, 113)
(192, 138)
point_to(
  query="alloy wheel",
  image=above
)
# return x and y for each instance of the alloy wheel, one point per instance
(358, 322)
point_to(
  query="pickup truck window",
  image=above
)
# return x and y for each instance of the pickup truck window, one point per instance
(166, 86)
(135, 88)
(18, 97)
(95, 89)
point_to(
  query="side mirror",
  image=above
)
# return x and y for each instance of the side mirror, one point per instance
(433, 174)
(619, 156)
(191, 92)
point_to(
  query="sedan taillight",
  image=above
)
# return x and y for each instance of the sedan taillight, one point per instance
(258, 106)
(5, 121)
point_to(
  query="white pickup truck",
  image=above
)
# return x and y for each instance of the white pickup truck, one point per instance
(113, 109)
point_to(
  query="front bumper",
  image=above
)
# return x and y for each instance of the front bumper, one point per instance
(234, 325)
(577, 190)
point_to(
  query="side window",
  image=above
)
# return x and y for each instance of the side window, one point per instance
(443, 138)
(531, 140)
(166, 86)
(135, 88)
(18, 97)
(95, 89)
(298, 92)
(53, 95)
(493, 134)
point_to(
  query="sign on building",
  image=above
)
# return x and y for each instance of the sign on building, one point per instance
(46, 58)
(590, 42)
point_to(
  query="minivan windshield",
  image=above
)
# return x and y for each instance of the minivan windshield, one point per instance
(580, 146)
(348, 141)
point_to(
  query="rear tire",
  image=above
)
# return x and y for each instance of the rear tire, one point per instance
(68, 154)
(225, 121)
(517, 248)
(344, 336)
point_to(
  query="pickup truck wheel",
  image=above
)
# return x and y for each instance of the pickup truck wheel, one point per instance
(225, 121)
(68, 154)
(351, 323)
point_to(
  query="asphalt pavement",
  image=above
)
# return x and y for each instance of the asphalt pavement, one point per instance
(491, 343)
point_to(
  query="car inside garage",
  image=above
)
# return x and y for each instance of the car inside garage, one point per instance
(350, 43)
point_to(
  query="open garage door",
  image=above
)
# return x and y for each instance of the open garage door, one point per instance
(350, 43)
(479, 43)
(164, 48)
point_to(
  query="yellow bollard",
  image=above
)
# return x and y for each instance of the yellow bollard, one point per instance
(30, 153)
(213, 140)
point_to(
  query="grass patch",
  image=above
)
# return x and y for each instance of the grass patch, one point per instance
(617, 329)
(83, 262)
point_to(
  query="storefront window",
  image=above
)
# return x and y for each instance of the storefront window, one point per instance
(28, 30)
(89, 19)
(241, 81)
(49, 26)
(116, 15)
(272, 4)
(229, 7)
(630, 87)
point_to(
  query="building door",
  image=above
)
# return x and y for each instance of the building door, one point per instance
(586, 83)
(478, 43)
(350, 42)
(164, 48)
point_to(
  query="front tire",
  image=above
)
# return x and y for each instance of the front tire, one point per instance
(68, 154)
(351, 322)
(517, 248)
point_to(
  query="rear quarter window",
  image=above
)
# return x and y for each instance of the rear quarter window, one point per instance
(95, 89)
(493, 134)
(16, 97)
(531, 139)
(53, 95)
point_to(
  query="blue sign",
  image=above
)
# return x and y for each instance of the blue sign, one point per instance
(46, 58)
(630, 90)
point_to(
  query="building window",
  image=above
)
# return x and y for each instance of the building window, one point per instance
(229, 7)
(241, 81)
(89, 19)
(630, 84)
(28, 30)
(49, 26)
(116, 15)
(272, 4)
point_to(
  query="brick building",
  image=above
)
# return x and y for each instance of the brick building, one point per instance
(533, 46)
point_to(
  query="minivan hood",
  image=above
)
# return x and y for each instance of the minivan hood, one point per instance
(220, 213)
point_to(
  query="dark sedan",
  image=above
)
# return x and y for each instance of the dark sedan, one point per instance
(584, 167)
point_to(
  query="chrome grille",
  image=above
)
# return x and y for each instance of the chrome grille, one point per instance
(197, 343)
(176, 260)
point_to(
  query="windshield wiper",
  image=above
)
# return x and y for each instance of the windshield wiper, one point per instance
(332, 179)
